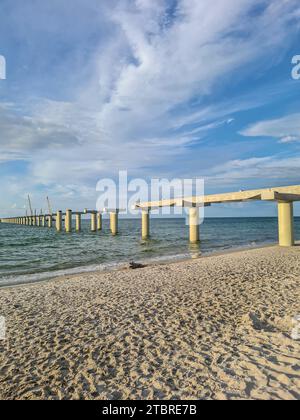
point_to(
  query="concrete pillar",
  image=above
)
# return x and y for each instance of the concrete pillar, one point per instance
(286, 223)
(59, 221)
(194, 225)
(114, 222)
(68, 221)
(93, 222)
(43, 222)
(99, 221)
(145, 224)
(50, 220)
(78, 222)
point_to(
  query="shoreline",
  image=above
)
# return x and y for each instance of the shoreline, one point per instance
(147, 263)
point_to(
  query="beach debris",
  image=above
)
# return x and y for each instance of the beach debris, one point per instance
(134, 266)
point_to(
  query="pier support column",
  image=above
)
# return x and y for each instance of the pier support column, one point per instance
(99, 221)
(78, 222)
(59, 221)
(194, 225)
(43, 221)
(50, 220)
(286, 223)
(68, 221)
(145, 224)
(114, 225)
(93, 222)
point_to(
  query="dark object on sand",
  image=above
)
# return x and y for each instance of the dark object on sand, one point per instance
(135, 266)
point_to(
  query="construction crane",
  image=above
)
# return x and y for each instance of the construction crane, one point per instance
(49, 206)
(30, 206)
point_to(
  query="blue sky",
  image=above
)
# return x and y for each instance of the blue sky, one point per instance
(162, 88)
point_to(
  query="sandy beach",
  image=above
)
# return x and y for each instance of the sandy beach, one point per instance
(213, 328)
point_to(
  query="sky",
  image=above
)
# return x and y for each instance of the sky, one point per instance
(160, 88)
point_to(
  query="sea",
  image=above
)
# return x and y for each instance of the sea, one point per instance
(31, 254)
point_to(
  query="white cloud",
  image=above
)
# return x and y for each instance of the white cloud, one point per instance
(286, 129)
(289, 139)
(262, 172)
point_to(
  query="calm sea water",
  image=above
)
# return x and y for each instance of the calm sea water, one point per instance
(30, 254)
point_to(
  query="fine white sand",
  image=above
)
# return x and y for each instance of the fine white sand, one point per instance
(213, 328)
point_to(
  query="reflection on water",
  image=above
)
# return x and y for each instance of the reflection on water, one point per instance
(195, 250)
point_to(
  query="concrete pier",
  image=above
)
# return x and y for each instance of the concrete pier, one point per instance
(286, 223)
(50, 221)
(93, 214)
(94, 222)
(78, 222)
(284, 197)
(194, 225)
(114, 223)
(68, 221)
(145, 224)
(59, 221)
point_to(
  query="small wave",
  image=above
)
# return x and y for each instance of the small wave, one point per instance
(37, 277)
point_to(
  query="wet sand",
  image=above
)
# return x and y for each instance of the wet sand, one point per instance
(213, 328)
